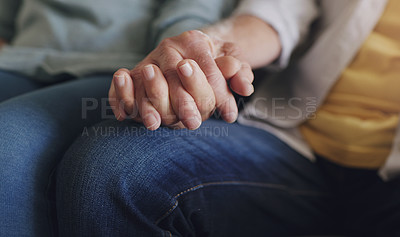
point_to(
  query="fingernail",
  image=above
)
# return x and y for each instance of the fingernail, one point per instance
(186, 69)
(120, 80)
(193, 123)
(149, 72)
(151, 119)
(230, 117)
(250, 89)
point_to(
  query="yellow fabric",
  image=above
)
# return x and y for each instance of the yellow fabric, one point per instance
(355, 126)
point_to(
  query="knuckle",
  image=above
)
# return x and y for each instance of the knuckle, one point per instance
(225, 105)
(126, 101)
(204, 55)
(119, 71)
(231, 49)
(234, 61)
(206, 105)
(187, 103)
(166, 51)
(166, 43)
(186, 35)
(188, 111)
(195, 39)
(246, 66)
(229, 66)
(190, 34)
(214, 78)
(156, 93)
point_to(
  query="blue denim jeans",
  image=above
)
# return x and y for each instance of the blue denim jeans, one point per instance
(37, 125)
(118, 179)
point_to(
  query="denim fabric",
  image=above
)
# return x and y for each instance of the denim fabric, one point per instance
(223, 180)
(35, 130)
(118, 179)
(12, 85)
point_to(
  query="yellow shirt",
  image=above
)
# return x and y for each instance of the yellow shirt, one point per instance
(355, 126)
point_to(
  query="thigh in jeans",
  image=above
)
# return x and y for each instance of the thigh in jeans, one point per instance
(220, 180)
(12, 85)
(35, 130)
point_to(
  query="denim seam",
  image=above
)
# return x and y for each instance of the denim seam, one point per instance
(244, 183)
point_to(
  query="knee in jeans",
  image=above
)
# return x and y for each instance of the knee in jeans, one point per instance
(25, 134)
(123, 169)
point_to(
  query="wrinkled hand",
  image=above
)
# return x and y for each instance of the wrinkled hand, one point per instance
(181, 83)
(149, 98)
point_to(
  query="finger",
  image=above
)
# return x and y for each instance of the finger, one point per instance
(241, 82)
(188, 112)
(196, 84)
(239, 74)
(124, 90)
(114, 103)
(228, 66)
(184, 105)
(149, 115)
(182, 102)
(151, 118)
(225, 101)
(157, 91)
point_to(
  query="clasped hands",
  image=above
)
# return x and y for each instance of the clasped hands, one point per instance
(182, 82)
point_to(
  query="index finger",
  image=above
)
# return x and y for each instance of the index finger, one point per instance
(225, 101)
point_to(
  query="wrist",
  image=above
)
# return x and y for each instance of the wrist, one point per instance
(222, 30)
(259, 41)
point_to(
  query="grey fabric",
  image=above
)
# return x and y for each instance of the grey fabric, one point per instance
(52, 38)
(189, 15)
(8, 12)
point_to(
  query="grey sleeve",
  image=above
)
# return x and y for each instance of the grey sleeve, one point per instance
(290, 18)
(177, 16)
(8, 14)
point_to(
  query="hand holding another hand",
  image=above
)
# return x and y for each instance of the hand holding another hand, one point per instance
(182, 82)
